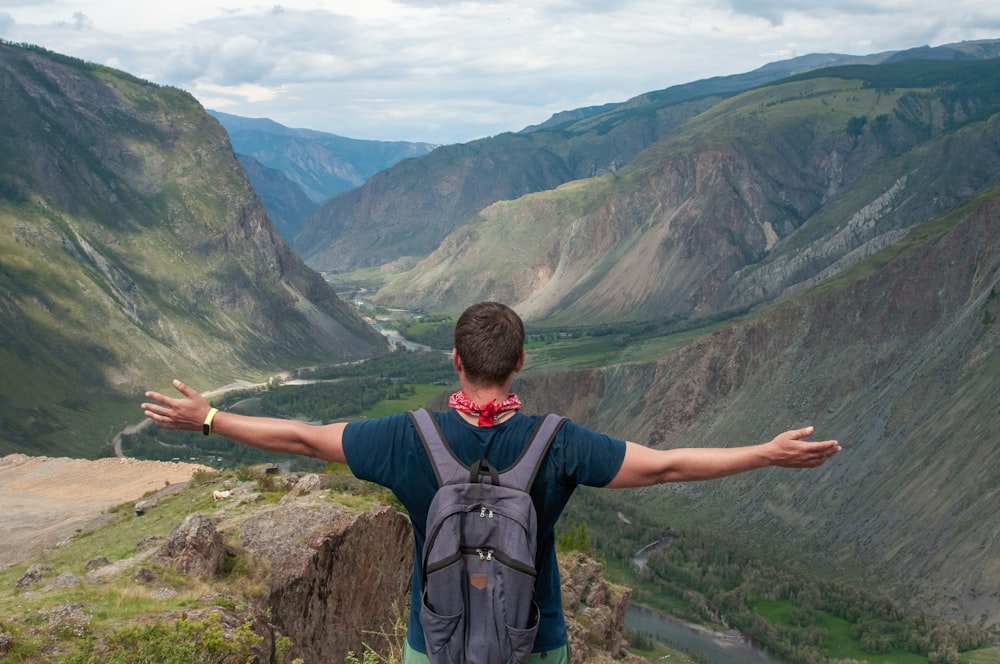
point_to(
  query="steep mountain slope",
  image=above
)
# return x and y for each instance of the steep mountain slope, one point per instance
(134, 250)
(897, 359)
(287, 205)
(762, 194)
(408, 210)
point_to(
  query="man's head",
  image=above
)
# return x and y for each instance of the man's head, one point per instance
(489, 340)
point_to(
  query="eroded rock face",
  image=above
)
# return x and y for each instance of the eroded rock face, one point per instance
(595, 611)
(194, 548)
(338, 580)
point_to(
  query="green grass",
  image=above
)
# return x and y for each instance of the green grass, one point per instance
(106, 603)
(117, 601)
(364, 279)
(588, 352)
(579, 353)
(842, 644)
(982, 656)
(424, 393)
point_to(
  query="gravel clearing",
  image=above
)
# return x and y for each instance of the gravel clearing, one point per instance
(45, 500)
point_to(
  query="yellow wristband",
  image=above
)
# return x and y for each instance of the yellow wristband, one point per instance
(206, 428)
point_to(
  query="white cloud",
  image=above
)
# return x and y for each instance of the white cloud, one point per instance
(454, 70)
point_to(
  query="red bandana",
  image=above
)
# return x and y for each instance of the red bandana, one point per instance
(487, 413)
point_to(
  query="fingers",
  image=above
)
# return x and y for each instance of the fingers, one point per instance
(185, 390)
(822, 451)
(796, 452)
(172, 413)
(799, 434)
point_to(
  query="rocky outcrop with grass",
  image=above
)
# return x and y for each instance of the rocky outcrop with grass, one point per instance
(269, 568)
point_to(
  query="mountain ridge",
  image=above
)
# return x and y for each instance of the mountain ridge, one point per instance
(895, 360)
(318, 164)
(404, 213)
(740, 204)
(135, 249)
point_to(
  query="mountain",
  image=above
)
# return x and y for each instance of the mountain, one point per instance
(406, 211)
(287, 205)
(762, 194)
(134, 250)
(322, 165)
(897, 359)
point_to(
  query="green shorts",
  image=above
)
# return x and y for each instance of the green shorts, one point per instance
(557, 656)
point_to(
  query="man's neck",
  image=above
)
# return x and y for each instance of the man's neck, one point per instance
(484, 394)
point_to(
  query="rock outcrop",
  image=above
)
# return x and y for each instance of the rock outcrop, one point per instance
(595, 611)
(332, 579)
(194, 548)
(337, 580)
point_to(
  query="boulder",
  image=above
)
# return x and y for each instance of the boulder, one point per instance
(32, 576)
(338, 580)
(194, 547)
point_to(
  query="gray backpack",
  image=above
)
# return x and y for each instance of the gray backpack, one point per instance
(478, 562)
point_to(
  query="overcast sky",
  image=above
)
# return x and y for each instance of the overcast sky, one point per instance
(452, 71)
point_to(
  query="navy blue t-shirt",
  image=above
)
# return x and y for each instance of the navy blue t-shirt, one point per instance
(389, 451)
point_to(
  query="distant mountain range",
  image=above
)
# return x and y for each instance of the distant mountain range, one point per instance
(296, 170)
(408, 211)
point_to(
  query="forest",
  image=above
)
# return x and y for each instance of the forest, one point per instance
(705, 577)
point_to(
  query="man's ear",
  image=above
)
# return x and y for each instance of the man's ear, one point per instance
(456, 361)
(520, 362)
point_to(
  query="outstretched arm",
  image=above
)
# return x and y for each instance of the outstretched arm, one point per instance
(644, 466)
(272, 434)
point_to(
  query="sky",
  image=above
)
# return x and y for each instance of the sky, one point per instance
(451, 71)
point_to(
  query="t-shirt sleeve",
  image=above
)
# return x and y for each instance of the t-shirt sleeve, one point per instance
(590, 458)
(376, 449)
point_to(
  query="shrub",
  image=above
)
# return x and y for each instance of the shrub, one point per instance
(183, 641)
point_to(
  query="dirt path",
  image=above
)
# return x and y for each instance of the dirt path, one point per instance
(44, 500)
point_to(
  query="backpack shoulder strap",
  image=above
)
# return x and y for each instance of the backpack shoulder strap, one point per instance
(447, 468)
(522, 474)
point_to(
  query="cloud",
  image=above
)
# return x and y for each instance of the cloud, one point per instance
(454, 70)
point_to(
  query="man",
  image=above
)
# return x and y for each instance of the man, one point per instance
(484, 421)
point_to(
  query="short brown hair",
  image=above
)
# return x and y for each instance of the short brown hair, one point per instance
(489, 339)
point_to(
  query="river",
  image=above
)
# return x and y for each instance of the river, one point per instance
(727, 647)
(398, 339)
(730, 646)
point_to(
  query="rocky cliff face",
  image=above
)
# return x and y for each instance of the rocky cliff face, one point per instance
(338, 580)
(897, 361)
(595, 611)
